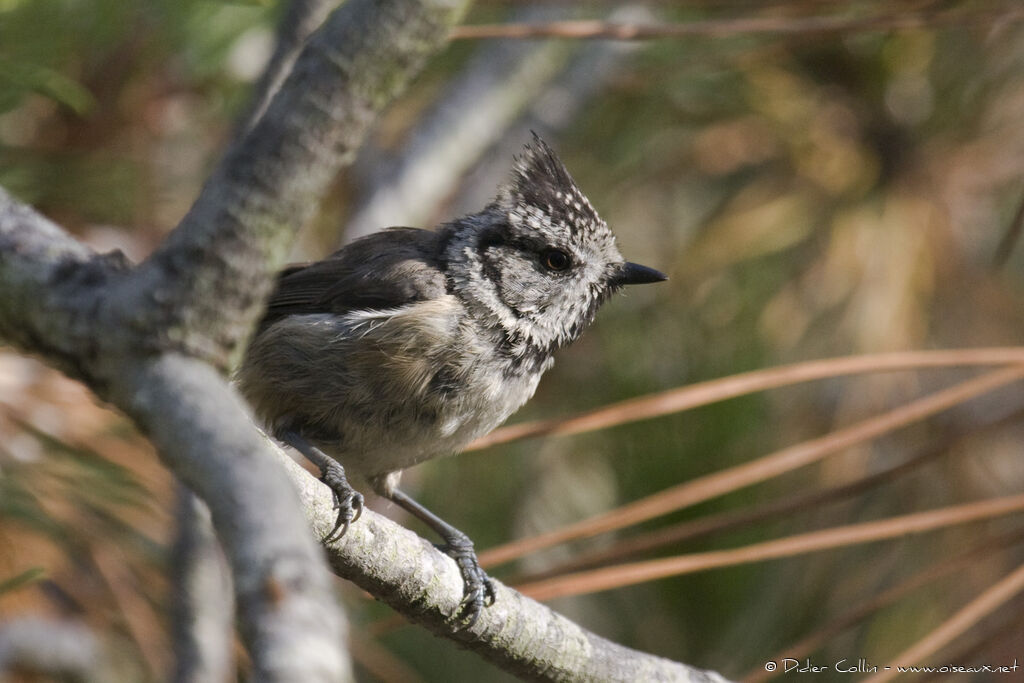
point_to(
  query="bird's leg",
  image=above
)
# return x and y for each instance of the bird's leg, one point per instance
(477, 587)
(347, 501)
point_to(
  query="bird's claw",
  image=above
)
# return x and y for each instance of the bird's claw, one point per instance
(477, 587)
(347, 501)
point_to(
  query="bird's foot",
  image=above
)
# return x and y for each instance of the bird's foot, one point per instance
(347, 501)
(477, 587)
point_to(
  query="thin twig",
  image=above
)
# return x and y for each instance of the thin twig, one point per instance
(887, 597)
(728, 480)
(718, 28)
(973, 612)
(994, 636)
(756, 514)
(731, 519)
(852, 534)
(712, 391)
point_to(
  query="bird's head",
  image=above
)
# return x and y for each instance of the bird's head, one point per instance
(539, 259)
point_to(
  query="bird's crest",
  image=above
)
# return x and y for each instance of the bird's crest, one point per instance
(541, 189)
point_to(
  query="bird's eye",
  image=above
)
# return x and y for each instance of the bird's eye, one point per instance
(556, 259)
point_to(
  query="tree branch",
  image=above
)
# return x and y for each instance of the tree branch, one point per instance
(151, 340)
(517, 634)
(202, 431)
(53, 288)
(301, 18)
(205, 285)
(719, 28)
(201, 617)
(41, 304)
(58, 650)
(145, 338)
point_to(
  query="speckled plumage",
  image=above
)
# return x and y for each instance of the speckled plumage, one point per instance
(408, 344)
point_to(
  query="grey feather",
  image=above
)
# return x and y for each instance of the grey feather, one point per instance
(408, 344)
(384, 270)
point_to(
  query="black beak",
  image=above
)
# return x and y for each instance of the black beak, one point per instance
(635, 274)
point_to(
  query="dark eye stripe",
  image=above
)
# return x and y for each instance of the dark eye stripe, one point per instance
(551, 258)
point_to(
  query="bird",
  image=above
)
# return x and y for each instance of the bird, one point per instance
(408, 344)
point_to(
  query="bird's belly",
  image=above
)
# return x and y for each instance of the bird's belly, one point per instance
(392, 388)
(433, 424)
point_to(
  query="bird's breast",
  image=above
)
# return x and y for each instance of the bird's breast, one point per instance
(384, 390)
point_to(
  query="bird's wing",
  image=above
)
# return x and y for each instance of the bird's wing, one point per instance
(383, 270)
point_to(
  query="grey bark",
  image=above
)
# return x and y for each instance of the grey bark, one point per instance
(59, 650)
(300, 19)
(202, 431)
(202, 624)
(271, 180)
(517, 634)
(203, 609)
(154, 339)
(287, 615)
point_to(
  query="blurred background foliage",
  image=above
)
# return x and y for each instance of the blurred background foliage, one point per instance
(810, 195)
